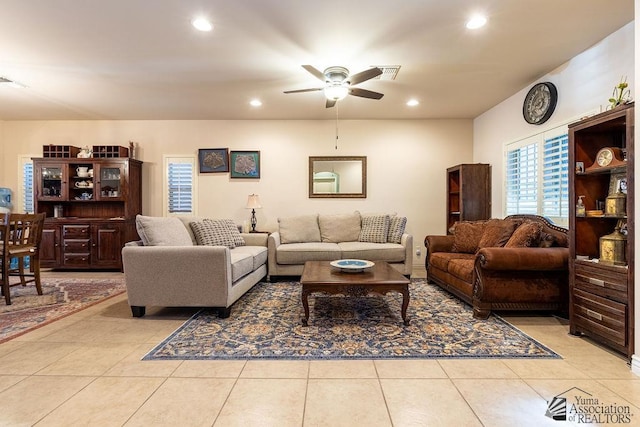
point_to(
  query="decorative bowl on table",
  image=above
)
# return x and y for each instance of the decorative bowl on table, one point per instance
(352, 265)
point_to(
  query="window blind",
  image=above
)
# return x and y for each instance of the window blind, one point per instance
(27, 187)
(180, 186)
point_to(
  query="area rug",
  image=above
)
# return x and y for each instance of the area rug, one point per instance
(266, 324)
(61, 297)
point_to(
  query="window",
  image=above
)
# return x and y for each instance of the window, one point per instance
(24, 199)
(179, 185)
(536, 179)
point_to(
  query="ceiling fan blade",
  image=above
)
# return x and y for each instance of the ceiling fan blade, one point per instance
(331, 103)
(317, 73)
(315, 89)
(364, 75)
(365, 93)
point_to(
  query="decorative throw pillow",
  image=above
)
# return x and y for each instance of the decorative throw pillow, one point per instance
(526, 235)
(340, 227)
(375, 229)
(299, 229)
(467, 236)
(396, 229)
(212, 232)
(497, 233)
(547, 240)
(235, 233)
(162, 231)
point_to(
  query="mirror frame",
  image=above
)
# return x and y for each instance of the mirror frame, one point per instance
(362, 194)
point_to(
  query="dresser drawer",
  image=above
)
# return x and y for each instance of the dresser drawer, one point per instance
(76, 246)
(603, 282)
(600, 316)
(75, 231)
(76, 260)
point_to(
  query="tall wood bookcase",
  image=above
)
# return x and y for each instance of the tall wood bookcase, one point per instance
(601, 292)
(468, 193)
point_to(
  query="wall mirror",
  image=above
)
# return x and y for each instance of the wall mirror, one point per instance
(338, 177)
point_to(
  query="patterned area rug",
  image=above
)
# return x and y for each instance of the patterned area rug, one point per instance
(61, 297)
(266, 324)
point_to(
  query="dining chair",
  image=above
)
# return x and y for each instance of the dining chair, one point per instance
(22, 240)
(4, 260)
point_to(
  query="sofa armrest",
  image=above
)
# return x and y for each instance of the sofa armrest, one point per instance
(255, 239)
(436, 243)
(523, 258)
(177, 275)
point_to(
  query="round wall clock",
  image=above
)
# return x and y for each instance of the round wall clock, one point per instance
(540, 103)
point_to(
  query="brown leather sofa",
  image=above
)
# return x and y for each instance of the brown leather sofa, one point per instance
(516, 263)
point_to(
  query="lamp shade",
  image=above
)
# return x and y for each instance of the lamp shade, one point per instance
(253, 202)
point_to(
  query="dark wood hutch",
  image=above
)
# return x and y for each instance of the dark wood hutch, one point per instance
(468, 193)
(90, 206)
(602, 291)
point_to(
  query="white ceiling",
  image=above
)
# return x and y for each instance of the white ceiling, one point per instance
(141, 59)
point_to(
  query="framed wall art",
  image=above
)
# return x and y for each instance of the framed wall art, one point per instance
(245, 164)
(213, 160)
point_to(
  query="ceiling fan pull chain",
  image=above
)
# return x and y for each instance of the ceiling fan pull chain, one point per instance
(336, 125)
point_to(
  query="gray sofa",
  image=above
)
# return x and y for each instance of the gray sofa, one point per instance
(341, 236)
(171, 267)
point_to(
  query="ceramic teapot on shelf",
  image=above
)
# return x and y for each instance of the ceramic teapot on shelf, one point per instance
(82, 171)
(85, 152)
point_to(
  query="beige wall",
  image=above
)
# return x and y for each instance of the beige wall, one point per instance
(406, 159)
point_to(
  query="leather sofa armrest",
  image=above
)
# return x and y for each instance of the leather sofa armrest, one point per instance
(523, 258)
(435, 243)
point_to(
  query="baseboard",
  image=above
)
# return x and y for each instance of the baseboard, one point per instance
(635, 364)
(418, 272)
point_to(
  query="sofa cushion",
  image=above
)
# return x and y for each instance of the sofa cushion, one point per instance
(467, 235)
(162, 231)
(396, 229)
(497, 233)
(339, 228)
(298, 253)
(461, 268)
(258, 253)
(212, 232)
(299, 229)
(440, 260)
(526, 235)
(241, 264)
(390, 252)
(375, 229)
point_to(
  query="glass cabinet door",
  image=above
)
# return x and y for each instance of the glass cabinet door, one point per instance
(51, 183)
(111, 187)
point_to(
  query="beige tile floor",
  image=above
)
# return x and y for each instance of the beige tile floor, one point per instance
(85, 370)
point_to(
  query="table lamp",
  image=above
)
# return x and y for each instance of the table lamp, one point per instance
(253, 203)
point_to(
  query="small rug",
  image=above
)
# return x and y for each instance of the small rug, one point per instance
(61, 297)
(266, 324)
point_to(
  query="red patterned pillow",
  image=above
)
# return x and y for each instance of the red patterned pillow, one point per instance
(526, 235)
(467, 236)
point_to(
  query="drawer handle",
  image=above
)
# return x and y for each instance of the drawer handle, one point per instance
(596, 282)
(593, 314)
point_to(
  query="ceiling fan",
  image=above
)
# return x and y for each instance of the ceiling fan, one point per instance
(338, 83)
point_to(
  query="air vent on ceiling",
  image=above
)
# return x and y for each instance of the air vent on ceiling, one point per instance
(389, 72)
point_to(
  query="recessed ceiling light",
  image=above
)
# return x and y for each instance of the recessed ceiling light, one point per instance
(413, 102)
(255, 103)
(202, 24)
(476, 21)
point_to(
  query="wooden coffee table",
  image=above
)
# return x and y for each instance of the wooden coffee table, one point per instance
(320, 276)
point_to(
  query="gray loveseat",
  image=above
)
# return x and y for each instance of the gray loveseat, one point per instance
(341, 236)
(173, 267)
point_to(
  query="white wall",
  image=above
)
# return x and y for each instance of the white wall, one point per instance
(584, 84)
(407, 161)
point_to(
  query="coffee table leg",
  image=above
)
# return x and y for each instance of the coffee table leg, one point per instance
(405, 304)
(305, 304)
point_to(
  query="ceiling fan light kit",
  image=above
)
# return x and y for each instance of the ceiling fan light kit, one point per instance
(338, 83)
